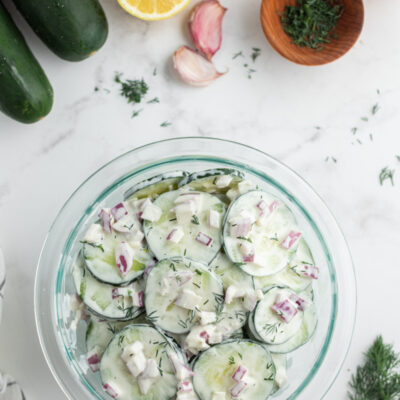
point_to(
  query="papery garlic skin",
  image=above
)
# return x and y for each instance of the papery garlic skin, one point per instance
(193, 68)
(205, 26)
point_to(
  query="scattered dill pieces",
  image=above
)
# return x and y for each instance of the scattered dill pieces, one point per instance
(155, 71)
(365, 119)
(250, 73)
(375, 109)
(331, 158)
(371, 137)
(378, 378)
(155, 100)
(255, 54)
(397, 158)
(132, 90)
(231, 360)
(310, 23)
(135, 113)
(386, 174)
(165, 124)
(238, 54)
(354, 130)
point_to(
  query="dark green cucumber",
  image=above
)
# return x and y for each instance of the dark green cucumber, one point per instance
(72, 29)
(25, 92)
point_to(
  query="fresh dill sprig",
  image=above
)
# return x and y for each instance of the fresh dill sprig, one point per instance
(255, 54)
(154, 100)
(386, 174)
(195, 220)
(238, 54)
(378, 378)
(165, 124)
(132, 89)
(135, 113)
(375, 109)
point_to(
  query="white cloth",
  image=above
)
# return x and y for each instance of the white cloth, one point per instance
(9, 389)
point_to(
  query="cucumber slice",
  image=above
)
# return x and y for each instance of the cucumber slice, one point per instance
(213, 370)
(229, 273)
(156, 346)
(265, 235)
(280, 363)
(98, 295)
(100, 260)
(302, 336)
(99, 332)
(159, 300)
(156, 232)
(234, 315)
(266, 325)
(288, 276)
(155, 186)
(206, 181)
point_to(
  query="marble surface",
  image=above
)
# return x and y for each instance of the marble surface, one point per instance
(278, 111)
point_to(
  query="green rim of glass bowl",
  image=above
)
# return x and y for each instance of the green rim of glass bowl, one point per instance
(165, 161)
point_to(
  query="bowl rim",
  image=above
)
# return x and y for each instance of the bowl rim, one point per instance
(163, 156)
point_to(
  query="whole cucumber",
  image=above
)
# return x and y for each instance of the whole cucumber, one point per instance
(25, 92)
(72, 29)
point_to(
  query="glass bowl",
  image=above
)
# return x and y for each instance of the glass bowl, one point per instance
(312, 368)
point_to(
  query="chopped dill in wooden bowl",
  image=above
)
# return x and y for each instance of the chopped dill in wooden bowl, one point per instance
(311, 23)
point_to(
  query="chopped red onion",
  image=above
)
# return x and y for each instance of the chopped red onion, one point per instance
(124, 257)
(239, 373)
(310, 271)
(93, 359)
(204, 239)
(262, 205)
(204, 335)
(241, 229)
(238, 388)
(273, 206)
(141, 298)
(175, 235)
(185, 386)
(114, 293)
(106, 219)
(301, 303)
(285, 310)
(149, 266)
(119, 211)
(290, 240)
(110, 390)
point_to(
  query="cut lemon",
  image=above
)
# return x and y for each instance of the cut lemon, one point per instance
(152, 10)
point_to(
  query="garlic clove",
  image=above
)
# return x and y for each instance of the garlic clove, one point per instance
(193, 68)
(205, 26)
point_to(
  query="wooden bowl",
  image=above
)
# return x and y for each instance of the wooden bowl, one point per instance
(347, 30)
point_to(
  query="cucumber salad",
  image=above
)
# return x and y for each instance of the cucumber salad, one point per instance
(194, 287)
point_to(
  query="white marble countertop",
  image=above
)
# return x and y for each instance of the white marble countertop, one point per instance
(277, 111)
